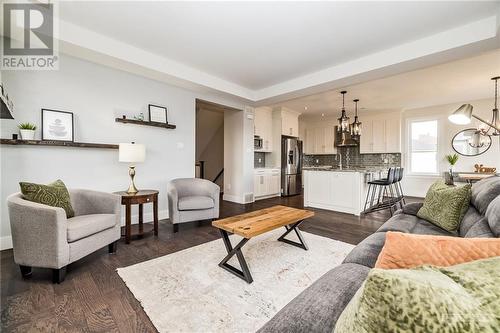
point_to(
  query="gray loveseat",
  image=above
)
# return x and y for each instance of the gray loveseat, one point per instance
(318, 307)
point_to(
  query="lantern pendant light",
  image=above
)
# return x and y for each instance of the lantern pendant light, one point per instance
(356, 125)
(344, 119)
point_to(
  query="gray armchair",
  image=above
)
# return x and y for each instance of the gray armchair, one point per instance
(42, 236)
(192, 199)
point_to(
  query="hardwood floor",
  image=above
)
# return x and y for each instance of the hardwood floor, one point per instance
(94, 299)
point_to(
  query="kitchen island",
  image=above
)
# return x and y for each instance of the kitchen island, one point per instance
(338, 190)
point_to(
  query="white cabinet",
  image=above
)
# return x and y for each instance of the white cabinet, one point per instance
(381, 134)
(289, 123)
(319, 140)
(266, 183)
(263, 127)
(334, 190)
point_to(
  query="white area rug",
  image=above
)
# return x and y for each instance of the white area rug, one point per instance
(188, 292)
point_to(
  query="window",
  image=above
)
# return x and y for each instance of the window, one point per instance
(423, 146)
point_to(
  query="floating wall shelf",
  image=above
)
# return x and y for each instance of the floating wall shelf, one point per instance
(58, 143)
(145, 123)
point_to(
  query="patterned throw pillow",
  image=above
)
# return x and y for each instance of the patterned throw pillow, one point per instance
(54, 194)
(461, 298)
(445, 205)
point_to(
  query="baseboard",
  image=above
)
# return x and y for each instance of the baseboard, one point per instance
(233, 198)
(5, 242)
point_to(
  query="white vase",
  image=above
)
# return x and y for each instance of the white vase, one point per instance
(27, 134)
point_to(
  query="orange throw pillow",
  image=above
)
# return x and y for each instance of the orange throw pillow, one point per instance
(407, 250)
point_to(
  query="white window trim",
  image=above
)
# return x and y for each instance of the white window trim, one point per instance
(408, 146)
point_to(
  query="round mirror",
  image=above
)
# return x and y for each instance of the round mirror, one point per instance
(470, 142)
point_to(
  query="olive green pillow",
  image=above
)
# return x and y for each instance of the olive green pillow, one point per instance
(460, 298)
(54, 194)
(445, 205)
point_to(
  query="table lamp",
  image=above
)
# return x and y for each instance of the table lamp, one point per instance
(131, 153)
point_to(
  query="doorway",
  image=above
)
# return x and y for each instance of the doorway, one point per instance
(209, 133)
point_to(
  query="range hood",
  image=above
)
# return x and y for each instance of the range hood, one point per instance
(344, 139)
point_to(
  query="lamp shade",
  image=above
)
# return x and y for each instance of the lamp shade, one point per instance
(462, 115)
(131, 152)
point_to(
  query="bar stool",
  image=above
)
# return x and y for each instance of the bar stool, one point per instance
(381, 186)
(399, 188)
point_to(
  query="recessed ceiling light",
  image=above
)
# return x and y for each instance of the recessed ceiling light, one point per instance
(322, 115)
(305, 107)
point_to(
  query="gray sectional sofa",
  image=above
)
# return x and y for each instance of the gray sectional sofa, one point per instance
(318, 307)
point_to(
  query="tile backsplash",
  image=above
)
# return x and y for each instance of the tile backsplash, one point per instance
(259, 160)
(352, 158)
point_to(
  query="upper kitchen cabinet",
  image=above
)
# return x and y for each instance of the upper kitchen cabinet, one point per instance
(318, 137)
(381, 134)
(319, 140)
(263, 127)
(289, 121)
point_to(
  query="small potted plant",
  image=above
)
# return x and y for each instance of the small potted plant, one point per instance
(452, 160)
(27, 131)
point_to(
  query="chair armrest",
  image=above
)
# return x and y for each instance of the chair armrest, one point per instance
(411, 208)
(87, 202)
(39, 233)
(173, 201)
(215, 195)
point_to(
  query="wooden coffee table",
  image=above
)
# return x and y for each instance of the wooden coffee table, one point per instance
(256, 223)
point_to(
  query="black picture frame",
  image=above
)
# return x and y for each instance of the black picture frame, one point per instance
(158, 107)
(44, 124)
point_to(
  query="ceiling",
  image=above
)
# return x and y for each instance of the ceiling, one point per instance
(259, 44)
(462, 80)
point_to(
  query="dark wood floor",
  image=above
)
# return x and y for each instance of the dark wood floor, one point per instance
(94, 299)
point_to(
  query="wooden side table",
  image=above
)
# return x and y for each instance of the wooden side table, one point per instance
(139, 198)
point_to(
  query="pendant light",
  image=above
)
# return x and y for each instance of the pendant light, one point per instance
(495, 119)
(344, 119)
(356, 125)
(463, 115)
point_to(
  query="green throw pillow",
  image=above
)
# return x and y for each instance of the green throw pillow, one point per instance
(54, 194)
(460, 298)
(445, 205)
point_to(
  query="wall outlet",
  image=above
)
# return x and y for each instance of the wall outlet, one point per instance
(260, 160)
(317, 161)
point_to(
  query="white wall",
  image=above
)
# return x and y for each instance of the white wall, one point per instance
(96, 95)
(238, 155)
(418, 185)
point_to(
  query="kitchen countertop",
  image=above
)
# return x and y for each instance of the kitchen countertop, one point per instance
(354, 169)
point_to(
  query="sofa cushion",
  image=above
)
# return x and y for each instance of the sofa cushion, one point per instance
(54, 194)
(445, 206)
(480, 229)
(366, 253)
(86, 225)
(412, 224)
(407, 251)
(318, 307)
(195, 202)
(484, 191)
(471, 217)
(493, 216)
(461, 298)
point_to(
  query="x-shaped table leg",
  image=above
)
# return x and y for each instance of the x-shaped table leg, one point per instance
(244, 273)
(302, 244)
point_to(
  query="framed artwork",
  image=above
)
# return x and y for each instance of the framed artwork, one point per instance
(57, 125)
(157, 113)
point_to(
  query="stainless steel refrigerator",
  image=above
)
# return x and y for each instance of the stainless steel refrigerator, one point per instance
(291, 166)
